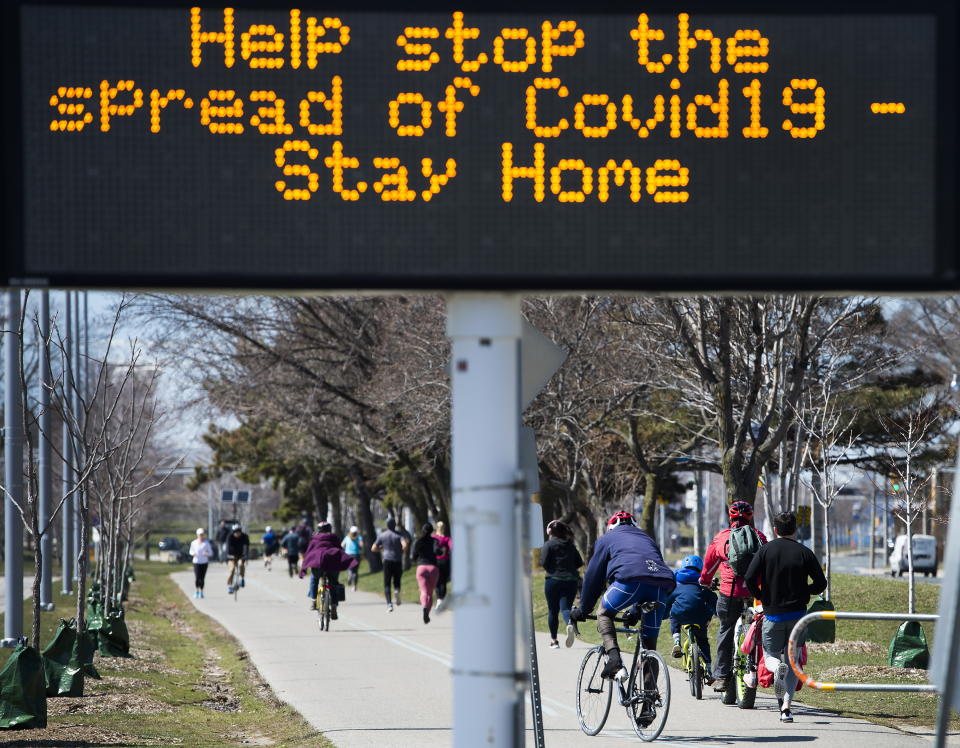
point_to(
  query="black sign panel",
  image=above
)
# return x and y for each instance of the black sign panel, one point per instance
(672, 149)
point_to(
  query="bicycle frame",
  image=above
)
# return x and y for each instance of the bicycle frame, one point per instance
(793, 651)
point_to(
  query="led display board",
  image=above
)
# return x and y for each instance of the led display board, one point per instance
(679, 148)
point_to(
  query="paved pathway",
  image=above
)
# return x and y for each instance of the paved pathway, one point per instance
(382, 679)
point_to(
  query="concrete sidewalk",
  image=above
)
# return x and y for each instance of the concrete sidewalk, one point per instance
(382, 679)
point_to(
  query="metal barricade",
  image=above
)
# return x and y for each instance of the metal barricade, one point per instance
(801, 627)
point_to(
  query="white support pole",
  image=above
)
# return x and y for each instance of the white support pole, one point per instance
(79, 541)
(45, 465)
(66, 530)
(13, 468)
(485, 330)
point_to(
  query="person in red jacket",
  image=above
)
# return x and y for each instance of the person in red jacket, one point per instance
(734, 595)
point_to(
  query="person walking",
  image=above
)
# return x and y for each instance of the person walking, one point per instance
(734, 595)
(353, 546)
(270, 544)
(201, 551)
(783, 575)
(291, 546)
(561, 560)
(306, 533)
(325, 556)
(223, 532)
(444, 551)
(424, 555)
(392, 545)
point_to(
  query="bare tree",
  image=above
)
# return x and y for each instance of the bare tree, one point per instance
(909, 441)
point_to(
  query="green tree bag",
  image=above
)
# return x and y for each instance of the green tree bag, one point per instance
(822, 631)
(23, 691)
(909, 647)
(113, 637)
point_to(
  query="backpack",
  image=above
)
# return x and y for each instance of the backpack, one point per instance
(741, 548)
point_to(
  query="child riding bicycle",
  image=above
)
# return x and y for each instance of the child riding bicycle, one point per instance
(690, 603)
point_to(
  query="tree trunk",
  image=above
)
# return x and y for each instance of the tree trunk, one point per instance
(38, 574)
(335, 500)
(365, 517)
(319, 500)
(82, 561)
(828, 552)
(648, 516)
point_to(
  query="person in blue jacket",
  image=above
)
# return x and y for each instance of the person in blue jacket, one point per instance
(628, 561)
(691, 603)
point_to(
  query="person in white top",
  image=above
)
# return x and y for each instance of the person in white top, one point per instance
(201, 551)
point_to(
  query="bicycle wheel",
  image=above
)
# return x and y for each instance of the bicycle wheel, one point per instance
(649, 696)
(696, 670)
(593, 693)
(323, 609)
(746, 696)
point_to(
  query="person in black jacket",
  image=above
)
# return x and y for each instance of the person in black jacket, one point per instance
(560, 559)
(783, 574)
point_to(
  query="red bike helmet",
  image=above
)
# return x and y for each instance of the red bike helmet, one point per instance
(740, 510)
(620, 518)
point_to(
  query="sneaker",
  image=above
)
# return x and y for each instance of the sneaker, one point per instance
(243, 582)
(707, 678)
(554, 644)
(196, 594)
(398, 600)
(441, 602)
(786, 716)
(677, 651)
(201, 593)
(614, 667)
(333, 614)
(571, 635)
(750, 679)
(389, 608)
(229, 590)
(426, 616)
(720, 685)
(780, 681)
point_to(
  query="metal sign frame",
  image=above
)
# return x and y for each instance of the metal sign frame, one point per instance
(14, 269)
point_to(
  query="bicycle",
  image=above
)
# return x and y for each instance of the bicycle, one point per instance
(646, 698)
(323, 602)
(741, 694)
(693, 663)
(240, 569)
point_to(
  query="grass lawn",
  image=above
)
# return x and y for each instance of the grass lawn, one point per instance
(189, 683)
(858, 655)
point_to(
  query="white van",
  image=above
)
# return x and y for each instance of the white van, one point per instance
(924, 555)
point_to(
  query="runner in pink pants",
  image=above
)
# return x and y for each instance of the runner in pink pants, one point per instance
(428, 573)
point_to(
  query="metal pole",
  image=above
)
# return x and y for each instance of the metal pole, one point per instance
(79, 542)
(886, 517)
(13, 456)
(697, 513)
(873, 528)
(44, 465)
(66, 530)
(485, 330)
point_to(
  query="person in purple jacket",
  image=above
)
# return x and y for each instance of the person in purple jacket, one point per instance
(629, 562)
(325, 556)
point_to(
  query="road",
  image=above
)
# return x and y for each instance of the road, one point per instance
(382, 679)
(858, 562)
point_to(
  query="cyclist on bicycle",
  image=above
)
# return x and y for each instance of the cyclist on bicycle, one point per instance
(690, 603)
(238, 550)
(325, 556)
(628, 560)
(734, 595)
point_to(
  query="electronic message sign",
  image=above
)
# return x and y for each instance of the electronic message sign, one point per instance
(557, 148)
